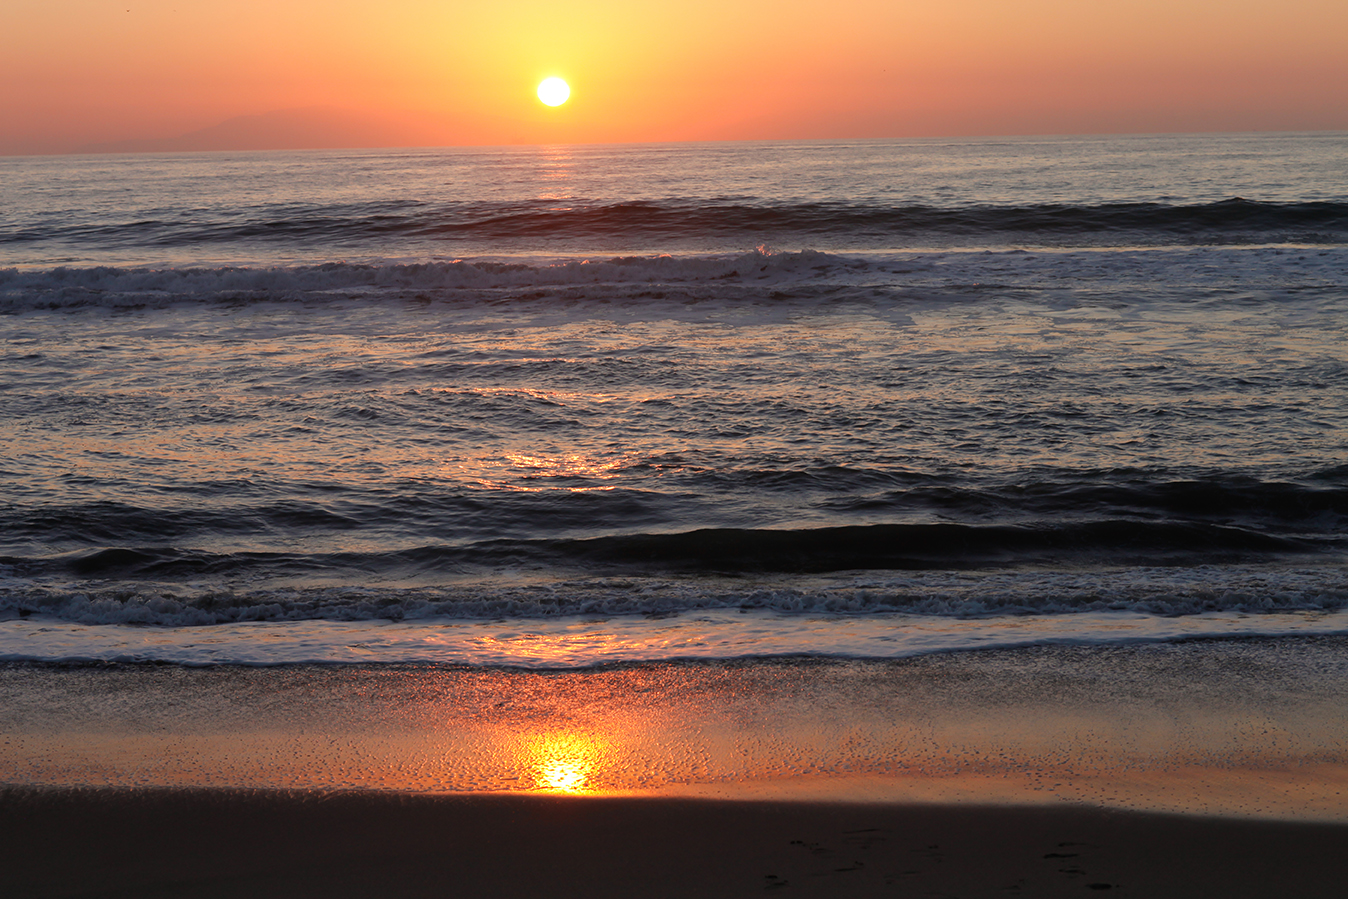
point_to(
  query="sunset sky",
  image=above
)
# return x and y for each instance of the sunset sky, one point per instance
(92, 74)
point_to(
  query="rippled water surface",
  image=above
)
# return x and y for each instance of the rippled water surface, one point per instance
(954, 379)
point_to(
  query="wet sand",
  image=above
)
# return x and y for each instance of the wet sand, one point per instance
(198, 843)
(1229, 729)
(1206, 769)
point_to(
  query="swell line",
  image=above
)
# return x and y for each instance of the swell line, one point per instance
(672, 218)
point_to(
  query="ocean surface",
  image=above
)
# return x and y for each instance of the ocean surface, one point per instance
(558, 407)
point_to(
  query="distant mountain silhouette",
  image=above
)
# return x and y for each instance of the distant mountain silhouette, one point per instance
(289, 129)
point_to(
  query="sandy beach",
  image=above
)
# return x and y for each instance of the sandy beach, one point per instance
(113, 843)
(1205, 769)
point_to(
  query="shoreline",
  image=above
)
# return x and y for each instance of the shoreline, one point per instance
(208, 843)
(1233, 728)
(576, 641)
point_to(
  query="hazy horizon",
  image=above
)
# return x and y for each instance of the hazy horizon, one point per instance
(321, 129)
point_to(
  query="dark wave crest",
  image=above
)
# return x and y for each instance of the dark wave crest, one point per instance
(675, 220)
(892, 547)
(1315, 510)
(904, 547)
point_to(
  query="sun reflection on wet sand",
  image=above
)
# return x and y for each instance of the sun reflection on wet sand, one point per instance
(991, 728)
(562, 762)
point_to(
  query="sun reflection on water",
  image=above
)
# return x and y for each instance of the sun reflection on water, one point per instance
(532, 472)
(556, 169)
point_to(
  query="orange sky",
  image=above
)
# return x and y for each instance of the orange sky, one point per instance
(76, 73)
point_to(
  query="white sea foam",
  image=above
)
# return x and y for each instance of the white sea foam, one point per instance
(583, 641)
(997, 597)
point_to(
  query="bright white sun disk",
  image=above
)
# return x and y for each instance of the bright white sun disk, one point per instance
(553, 91)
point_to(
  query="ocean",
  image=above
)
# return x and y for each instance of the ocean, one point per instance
(571, 408)
(839, 468)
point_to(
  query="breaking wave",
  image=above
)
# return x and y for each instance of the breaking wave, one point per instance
(674, 220)
(999, 593)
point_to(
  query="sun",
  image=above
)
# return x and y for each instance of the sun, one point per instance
(553, 91)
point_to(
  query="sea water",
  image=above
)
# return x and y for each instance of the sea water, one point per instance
(565, 406)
